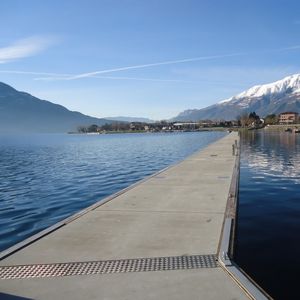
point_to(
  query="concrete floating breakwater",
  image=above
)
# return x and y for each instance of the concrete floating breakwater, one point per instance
(169, 236)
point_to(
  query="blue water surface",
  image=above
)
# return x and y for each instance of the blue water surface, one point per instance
(45, 178)
(268, 235)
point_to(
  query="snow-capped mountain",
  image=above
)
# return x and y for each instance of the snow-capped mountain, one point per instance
(282, 95)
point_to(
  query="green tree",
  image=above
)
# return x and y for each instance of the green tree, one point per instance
(93, 128)
(271, 119)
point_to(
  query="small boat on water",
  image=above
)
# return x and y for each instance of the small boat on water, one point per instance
(288, 130)
(296, 130)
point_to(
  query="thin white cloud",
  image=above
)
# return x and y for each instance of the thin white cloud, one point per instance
(24, 48)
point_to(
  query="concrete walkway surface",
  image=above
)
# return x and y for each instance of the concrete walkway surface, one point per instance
(172, 216)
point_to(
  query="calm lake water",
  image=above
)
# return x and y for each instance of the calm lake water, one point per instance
(45, 178)
(268, 239)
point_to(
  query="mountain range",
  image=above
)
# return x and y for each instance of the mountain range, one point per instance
(272, 98)
(130, 119)
(22, 112)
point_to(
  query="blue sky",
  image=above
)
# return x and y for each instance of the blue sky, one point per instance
(146, 58)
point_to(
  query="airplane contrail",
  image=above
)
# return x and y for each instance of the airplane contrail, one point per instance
(120, 78)
(141, 79)
(296, 47)
(57, 76)
(169, 62)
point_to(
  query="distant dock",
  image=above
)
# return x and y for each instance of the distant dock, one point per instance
(169, 236)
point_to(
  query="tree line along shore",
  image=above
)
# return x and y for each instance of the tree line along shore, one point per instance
(246, 121)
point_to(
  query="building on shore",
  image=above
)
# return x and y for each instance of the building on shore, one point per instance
(288, 118)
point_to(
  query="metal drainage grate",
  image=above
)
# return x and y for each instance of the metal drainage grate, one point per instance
(109, 266)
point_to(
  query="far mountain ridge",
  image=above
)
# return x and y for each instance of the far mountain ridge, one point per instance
(130, 119)
(272, 98)
(22, 112)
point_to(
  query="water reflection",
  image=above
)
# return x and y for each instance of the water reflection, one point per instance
(269, 211)
(272, 154)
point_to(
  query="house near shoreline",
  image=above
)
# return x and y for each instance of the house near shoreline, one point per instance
(286, 118)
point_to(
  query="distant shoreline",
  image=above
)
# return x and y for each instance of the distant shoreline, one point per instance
(161, 131)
